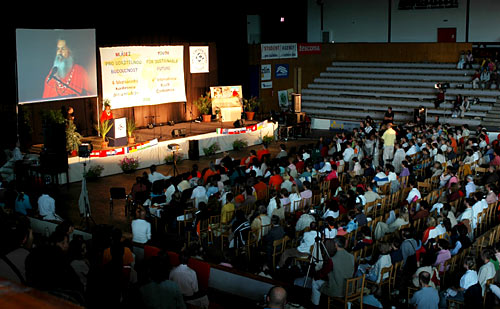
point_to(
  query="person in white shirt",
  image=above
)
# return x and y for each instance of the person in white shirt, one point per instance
(141, 234)
(295, 198)
(47, 208)
(304, 247)
(487, 271)
(305, 220)
(154, 175)
(414, 194)
(199, 193)
(467, 280)
(348, 153)
(327, 167)
(399, 156)
(187, 280)
(169, 191)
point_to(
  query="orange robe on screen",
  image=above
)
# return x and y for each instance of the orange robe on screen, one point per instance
(77, 79)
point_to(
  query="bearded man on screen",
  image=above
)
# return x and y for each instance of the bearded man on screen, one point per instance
(66, 78)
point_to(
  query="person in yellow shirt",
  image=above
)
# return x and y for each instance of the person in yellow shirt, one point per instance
(389, 138)
(227, 210)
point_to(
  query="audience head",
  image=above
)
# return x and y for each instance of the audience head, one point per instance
(276, 297)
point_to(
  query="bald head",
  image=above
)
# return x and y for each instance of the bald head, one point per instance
(276, 298)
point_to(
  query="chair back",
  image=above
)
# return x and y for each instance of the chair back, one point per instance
(354, 289)
(117, 193)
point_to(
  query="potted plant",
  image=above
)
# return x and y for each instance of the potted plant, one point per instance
(73, 138)
(94, 172)
(204, 105)
(268, 139)
(250, 106)
(239, 144)
(211, 150)
(129, 165)
(103, 128)
(130, 130)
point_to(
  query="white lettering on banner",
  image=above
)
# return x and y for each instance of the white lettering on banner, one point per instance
(278, 51)
(142, 75)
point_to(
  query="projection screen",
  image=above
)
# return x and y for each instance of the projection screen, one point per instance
(55, 64)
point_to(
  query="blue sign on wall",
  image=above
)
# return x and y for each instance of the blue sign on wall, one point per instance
(281, 71)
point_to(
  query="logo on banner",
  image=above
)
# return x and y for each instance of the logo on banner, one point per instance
(281, 71)
(199, 59)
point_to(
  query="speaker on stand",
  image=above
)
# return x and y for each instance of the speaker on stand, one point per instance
(297, 102)
(194, 151)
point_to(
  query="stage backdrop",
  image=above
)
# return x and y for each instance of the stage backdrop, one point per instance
(142, 75)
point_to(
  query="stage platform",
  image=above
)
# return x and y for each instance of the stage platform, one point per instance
(151, 145)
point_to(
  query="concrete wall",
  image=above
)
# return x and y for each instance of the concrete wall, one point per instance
(369, 21)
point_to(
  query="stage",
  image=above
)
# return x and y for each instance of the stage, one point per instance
(151, 145)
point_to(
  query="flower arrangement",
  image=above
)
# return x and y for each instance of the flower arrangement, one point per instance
(211, 150)
(239, 144)
(129, 164)
(94, 172)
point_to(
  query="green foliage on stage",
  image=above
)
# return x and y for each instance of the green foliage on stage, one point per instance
(73, 138)
(239, 144)
(204, 103)
(103, 128)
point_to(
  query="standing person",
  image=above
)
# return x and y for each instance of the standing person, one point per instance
(66, 78)
(106, 114)
(388, 116)
(389, 138)
(187, 280)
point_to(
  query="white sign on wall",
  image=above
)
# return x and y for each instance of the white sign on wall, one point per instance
(198, 59)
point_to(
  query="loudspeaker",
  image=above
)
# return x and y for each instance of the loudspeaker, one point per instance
(54, 161)
(178, 132)
(194, 151)
(297, 102)
(295, 118)
(239, 123)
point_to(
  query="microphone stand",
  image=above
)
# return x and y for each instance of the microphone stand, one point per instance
(66, 85)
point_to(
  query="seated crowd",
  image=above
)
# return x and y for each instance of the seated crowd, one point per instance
(413, 203)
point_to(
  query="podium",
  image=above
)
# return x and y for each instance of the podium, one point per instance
(118, 133)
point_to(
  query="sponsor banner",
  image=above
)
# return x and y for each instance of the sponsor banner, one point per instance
(198, 59)
(282, 70)
(278, 51)
(265, 72)
(266, 85)
(309, 48)
(123, 150)
(247, 129)
(142, 75)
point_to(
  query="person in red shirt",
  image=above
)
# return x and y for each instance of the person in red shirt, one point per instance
(275, 180)
(262, 152)
(66, 78)
(107, 114)
(260, 189)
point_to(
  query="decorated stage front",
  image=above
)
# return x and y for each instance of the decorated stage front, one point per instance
(155, 152)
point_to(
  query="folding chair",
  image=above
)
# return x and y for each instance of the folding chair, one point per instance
(117, 193)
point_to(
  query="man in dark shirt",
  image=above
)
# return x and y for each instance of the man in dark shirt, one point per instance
(276, 232)
(389, 116)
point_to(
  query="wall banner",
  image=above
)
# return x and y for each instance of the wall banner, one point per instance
(142, 75)
(278, 51)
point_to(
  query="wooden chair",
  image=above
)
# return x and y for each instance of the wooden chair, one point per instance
(384, 282)
(397, 268)
(424, 188)
(214, 224)
(279, 246)
(187, 218)
(252, 241)
(354, 290)
(487, 292)
(117, 193)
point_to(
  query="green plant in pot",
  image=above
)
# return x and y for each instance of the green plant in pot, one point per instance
(94, 172)
(130, 130)
(211, 150)
(268, 139)
(250, 105)
(239, 144)
(103, 127)
(204, 105)
(169, 159)
(73, 138)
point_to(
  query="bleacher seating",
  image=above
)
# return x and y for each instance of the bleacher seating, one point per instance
(350, 90)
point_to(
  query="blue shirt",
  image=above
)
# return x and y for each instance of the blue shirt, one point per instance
(426, 297)
(22, 205)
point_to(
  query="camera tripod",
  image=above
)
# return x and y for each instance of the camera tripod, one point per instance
(315, 254)
(84, 198)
